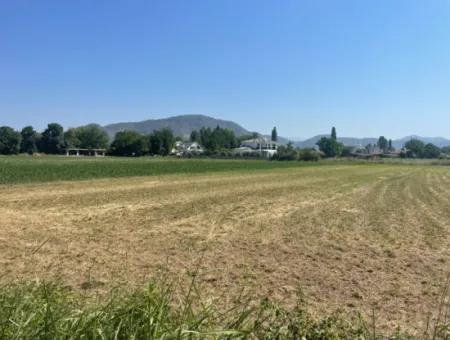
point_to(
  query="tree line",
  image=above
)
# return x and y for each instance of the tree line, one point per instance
(220, 140)
(414, 148)
(54, 140)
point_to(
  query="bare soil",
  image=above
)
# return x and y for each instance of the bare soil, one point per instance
(372, 238)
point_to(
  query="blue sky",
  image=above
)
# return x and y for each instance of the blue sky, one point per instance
(367, 67)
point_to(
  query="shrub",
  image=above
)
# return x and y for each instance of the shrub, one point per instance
(286, 153)
(308, 155)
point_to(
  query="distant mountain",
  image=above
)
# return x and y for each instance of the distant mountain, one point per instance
(350, 141)
(397, 143)
(180, 125)
(438, 141)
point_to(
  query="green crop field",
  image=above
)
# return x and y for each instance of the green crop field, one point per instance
(24, 169)
(274, 248)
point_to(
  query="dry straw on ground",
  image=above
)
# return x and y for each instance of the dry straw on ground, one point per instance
(365, 237)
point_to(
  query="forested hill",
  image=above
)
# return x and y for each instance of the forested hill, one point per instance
(180, 125)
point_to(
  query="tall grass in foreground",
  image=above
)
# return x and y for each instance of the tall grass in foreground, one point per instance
(50, 311)
(47, 311)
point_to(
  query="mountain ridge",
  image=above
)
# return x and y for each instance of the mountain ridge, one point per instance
(183, 125)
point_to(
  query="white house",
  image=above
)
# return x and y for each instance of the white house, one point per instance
(187, 148)
(262, 145)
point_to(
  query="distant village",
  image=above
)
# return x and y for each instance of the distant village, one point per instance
(326, 147)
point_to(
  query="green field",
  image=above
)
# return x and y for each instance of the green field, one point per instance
(24, 169)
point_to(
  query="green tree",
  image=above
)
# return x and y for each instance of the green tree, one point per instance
(218, 139)
(330, 147)
(286, 153)
(71, 138)
(390, 147)
(274, 134)
(9, 141)
(431, 151)
(195, 136)
(92, 137)
(225, 138)
(383, 143)
(161, 142)
(52, 141)
(308, 155)
(446, 150)
(415, 148)
(347, 151)
(333, 133)
(129, 143)
(29, 139)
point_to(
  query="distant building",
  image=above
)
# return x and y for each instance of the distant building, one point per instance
(265, 147)
(85, 152)
(187, 148)
(375, 152)
(243, 151)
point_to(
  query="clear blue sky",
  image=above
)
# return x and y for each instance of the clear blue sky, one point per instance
(368, 67)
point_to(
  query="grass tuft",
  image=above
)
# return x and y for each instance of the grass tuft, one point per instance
(51, 311)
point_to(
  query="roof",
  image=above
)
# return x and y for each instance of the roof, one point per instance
(259, 140)
(188, 144)
(78, 149)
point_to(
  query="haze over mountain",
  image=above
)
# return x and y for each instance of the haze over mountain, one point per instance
(183, 125)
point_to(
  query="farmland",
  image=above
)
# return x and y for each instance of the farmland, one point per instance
(23, 169)
(362, 237)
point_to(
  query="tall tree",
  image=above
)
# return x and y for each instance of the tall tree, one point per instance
(195, 136)
(330, 147)
(415, 148)
(431, 151)
(446, 150)
(218, 139)
(9, 141)
(92, 137)
(383, 143)
(274, 134)
(29, 139)
(71, 138)
(53, 139)
(129, 143)
(391, 148)
(161, 142)
(333, 133)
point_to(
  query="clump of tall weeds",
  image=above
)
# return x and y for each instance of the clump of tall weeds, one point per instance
(52, 311)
